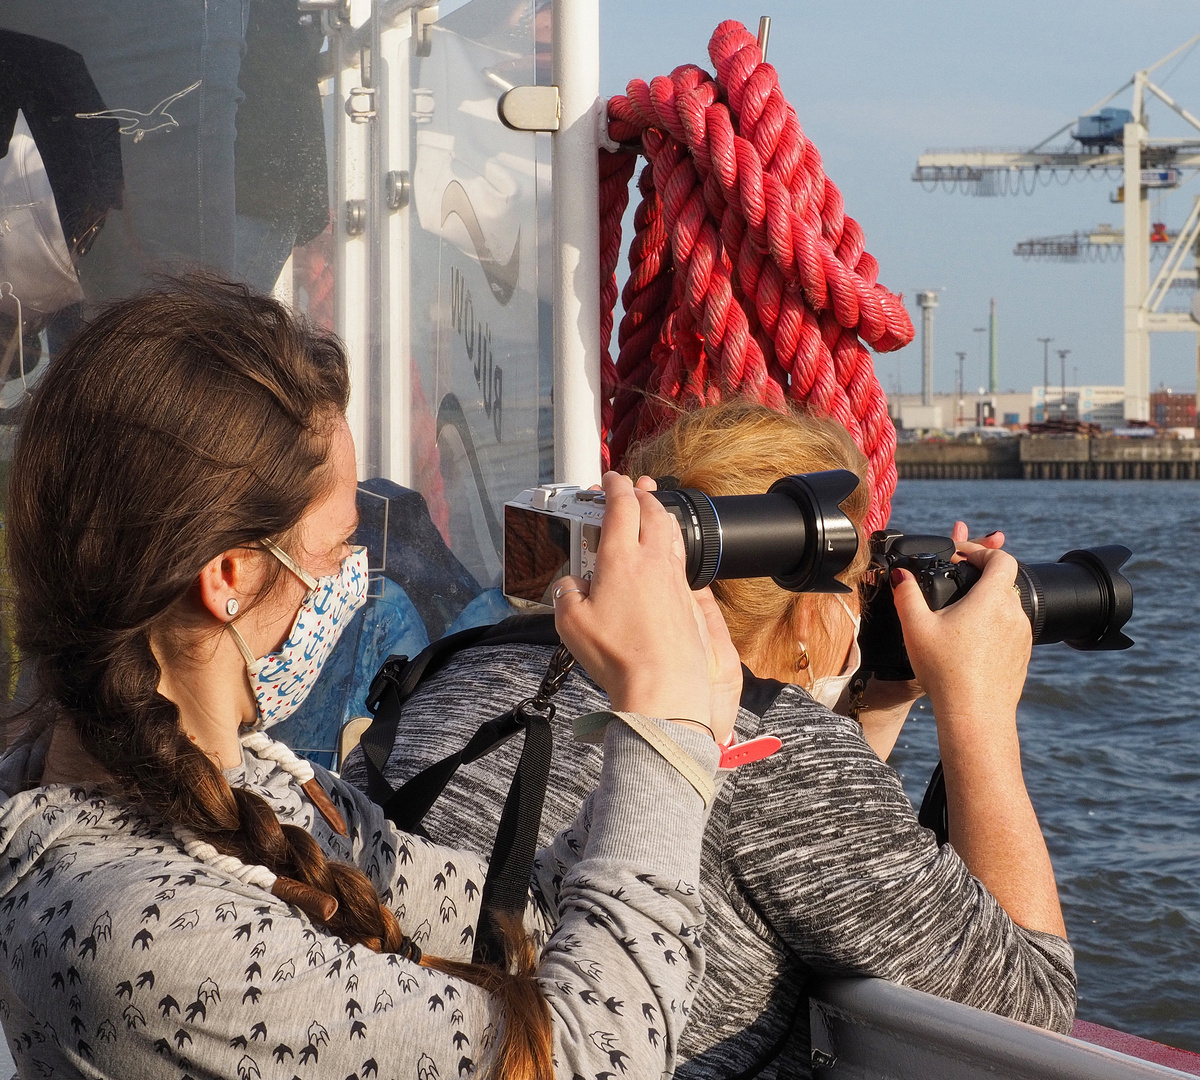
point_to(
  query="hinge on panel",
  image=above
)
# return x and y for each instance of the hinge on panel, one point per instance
(360, 104)
(530, 108)
(337, 11)
(356, 217)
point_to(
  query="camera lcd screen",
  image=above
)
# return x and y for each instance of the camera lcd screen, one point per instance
(537, 552)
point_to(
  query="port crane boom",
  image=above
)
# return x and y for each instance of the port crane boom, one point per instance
(1104, 140)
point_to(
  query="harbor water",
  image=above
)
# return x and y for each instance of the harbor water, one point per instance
(1110, 741)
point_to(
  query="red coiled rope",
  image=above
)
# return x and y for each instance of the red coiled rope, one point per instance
(746, 277)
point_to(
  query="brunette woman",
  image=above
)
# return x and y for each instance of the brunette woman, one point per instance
(181, 895)
(814, 860)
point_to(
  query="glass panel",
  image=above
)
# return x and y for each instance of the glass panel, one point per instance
(474, 288)
(348, 158)
(139, 138)
(467, 330)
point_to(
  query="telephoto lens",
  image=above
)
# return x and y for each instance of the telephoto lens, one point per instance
(796, 533)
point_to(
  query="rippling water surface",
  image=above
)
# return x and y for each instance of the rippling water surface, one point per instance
(1110, 741)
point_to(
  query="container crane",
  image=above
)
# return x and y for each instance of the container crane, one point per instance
(1107, 138)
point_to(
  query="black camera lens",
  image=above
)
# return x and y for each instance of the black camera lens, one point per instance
(1082, 599)
(796, 533)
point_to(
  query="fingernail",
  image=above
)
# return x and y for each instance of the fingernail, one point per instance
(897, 577)
(991, 534)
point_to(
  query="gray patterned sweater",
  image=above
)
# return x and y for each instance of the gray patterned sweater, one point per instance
(122, 957)
(813, 862)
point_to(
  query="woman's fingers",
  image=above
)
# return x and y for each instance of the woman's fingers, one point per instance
(658, 527)
(910, 602)
(963, 545)
(636, 632)
(997, 566)
(970, 655)
(622, 514)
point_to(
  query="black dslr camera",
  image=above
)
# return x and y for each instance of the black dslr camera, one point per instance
(1082, 599)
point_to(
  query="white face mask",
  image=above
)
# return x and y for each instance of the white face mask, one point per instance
(282, 680)
(828, 689)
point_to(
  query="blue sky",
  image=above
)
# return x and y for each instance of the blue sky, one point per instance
(875, 84)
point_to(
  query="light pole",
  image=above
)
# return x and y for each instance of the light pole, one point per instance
(958, 415)
(1062, 405)
(1045, 374)
(980, 330)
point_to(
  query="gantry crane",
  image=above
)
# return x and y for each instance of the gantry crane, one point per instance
(1114, 139)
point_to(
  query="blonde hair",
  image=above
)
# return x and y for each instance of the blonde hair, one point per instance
(740, 448)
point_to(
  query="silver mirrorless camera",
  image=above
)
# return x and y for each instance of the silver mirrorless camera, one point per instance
(795, 533)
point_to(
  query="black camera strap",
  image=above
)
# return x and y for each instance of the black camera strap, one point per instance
(934, 814)
(507, 884)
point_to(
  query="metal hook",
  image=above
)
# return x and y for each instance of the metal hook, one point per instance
(764, 33)
(7, 285)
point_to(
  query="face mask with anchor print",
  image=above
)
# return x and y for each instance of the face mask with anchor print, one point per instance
(282, 680)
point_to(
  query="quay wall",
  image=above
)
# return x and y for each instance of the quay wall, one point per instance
(1051, 457)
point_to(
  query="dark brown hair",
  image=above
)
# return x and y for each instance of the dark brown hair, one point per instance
(180, 424)
(740, 448)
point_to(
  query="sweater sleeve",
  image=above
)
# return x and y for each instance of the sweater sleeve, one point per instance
(164, 966)
(830, 853)
(619, 889)
(623, 960)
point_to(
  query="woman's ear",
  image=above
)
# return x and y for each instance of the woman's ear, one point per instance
(224, 584)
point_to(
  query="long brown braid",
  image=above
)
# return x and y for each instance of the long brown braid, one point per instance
(180, 424)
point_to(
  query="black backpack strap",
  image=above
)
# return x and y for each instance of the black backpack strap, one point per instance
(399, 677)
(507, 883)
(511, 865)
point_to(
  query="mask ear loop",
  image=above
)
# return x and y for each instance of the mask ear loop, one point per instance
(243, 648)
(309, 581)
(289, 563)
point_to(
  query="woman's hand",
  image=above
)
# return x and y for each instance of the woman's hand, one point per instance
(971, 657)
(885, 705)
(638, 629)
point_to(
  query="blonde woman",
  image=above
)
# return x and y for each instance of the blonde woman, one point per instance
(813, 859)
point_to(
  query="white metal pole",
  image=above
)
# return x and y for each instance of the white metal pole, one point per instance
(1137, 271)
(576, 196)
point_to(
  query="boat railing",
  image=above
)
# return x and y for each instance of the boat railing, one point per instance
(863, 1029)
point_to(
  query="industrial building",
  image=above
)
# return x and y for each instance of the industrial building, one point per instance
(1103, 405)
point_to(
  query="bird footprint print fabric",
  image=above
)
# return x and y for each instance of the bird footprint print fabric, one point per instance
(121, 956)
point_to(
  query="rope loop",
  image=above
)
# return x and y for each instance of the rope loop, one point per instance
(746, 276)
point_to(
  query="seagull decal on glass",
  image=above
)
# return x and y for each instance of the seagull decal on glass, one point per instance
(140, 124)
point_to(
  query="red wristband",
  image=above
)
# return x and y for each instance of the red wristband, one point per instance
(743, 753)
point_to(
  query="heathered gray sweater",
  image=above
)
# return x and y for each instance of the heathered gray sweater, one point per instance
(122, 957)
(813, 862)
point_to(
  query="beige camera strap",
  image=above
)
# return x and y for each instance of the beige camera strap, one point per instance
(590, 729)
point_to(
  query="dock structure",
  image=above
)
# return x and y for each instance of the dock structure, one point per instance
(1051, 457)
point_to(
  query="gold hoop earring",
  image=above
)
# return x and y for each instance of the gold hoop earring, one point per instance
(802, 660)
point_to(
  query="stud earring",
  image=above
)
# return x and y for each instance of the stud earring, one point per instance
(802, 659)
(231, 606)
